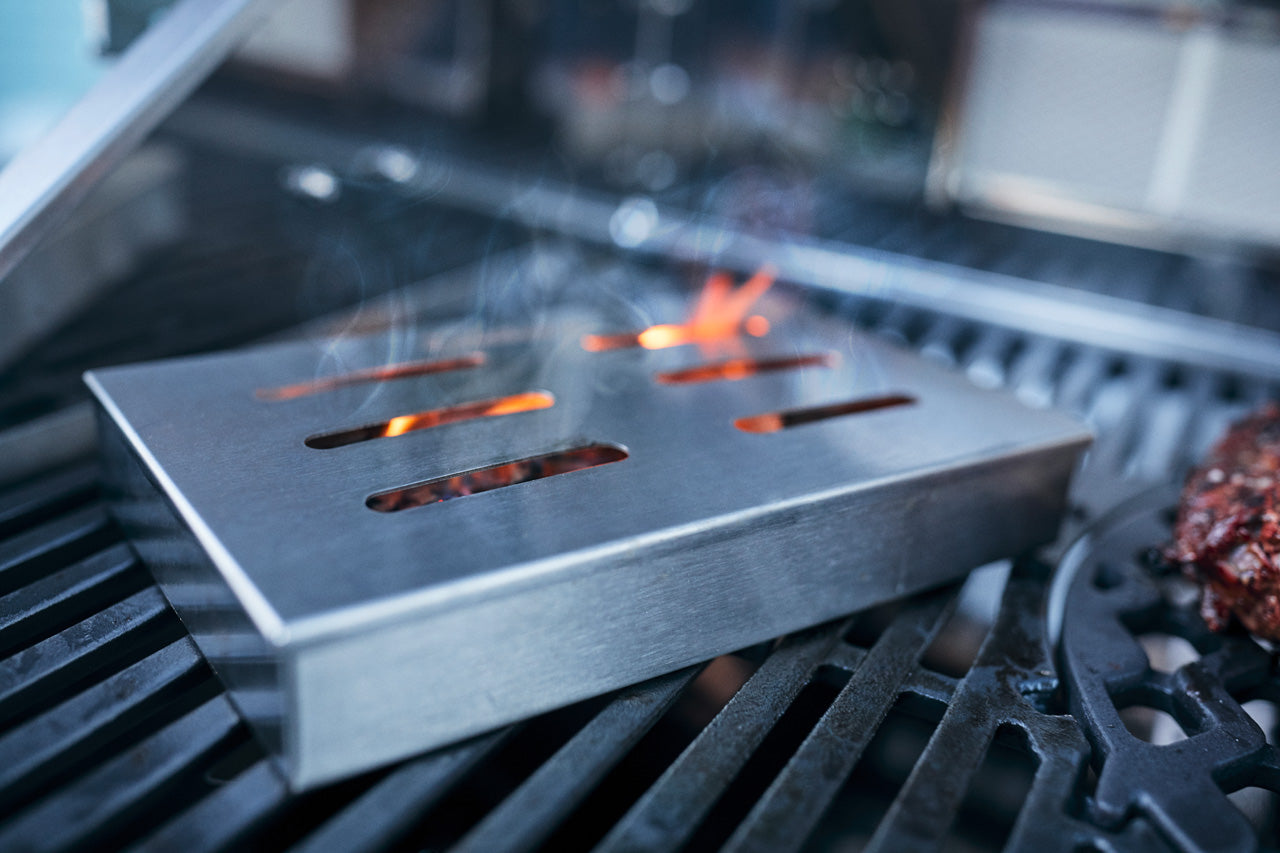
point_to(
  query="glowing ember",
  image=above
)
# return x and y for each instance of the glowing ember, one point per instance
(526, 402)
(495, 477)
(720, 314)
(399, 426)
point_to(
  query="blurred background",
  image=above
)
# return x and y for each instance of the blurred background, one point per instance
(961, 132)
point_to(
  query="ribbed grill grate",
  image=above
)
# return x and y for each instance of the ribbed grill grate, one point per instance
(114, 732)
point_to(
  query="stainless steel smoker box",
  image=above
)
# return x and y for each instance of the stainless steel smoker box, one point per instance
(379, 555)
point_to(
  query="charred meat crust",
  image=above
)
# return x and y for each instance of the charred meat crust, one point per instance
(1227, 532)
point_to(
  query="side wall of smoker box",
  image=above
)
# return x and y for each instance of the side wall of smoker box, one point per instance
(430, 678)
(205, 604)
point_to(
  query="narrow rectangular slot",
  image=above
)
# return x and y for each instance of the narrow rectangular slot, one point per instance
(774, 421)
(740, 368)
(526, 402)
(495, 477)
(385, 373)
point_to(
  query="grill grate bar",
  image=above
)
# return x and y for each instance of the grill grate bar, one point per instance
(985, 362)
(46, 498)
(1119, 423)
(792, 806)
(1044, 823)
(49, 744)
(939, 340)
(1166, 424)
(896, 322)
(846, 657)
(104, 801)
(42, 607)
(527, 816)
(390, 808)
(1081, 379)
(671, 809)
(44, 669)
(226, 816)
(1032, 373)
(1204, 403)
(930, 685)
(1011, 665)
(28, 555)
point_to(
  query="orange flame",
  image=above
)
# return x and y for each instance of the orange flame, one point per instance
(528, 401)
(721, 313)
(400, 425)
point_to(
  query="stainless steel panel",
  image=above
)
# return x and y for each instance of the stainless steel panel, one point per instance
(375, 635)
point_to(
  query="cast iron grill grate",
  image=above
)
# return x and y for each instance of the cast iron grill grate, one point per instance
(1162, 697)
(113, 732)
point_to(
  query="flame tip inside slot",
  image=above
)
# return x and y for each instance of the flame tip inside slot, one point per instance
(495, 477)
(667, 335)
(525, 402)
(385, 373)
(721, 312)
(776, 421)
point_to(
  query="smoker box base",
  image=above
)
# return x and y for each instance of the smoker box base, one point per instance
(351, 638)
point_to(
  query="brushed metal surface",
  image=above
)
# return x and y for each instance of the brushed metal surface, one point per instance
(352, 637)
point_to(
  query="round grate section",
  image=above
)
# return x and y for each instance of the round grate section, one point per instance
(1179, 718)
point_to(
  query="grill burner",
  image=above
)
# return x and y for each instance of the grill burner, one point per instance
(352, 638)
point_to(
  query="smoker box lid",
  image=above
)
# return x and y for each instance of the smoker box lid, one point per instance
(690, 518)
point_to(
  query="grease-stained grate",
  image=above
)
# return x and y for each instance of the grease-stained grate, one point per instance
(167, 760)
(120, 735)
(555, 489)
(1173, 737)
(186, 771)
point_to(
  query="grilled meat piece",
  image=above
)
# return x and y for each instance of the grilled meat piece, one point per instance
(1227, 533)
